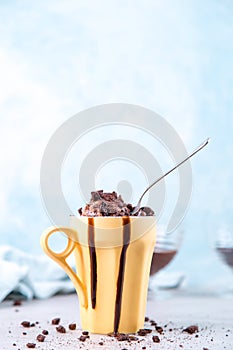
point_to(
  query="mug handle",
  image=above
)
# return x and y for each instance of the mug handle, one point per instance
(60, 258)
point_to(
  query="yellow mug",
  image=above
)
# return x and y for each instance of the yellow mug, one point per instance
(113, 257)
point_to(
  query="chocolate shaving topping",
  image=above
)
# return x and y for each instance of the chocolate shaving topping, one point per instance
(26, 324)
(31, 345)
(45, 332)
(110, 204)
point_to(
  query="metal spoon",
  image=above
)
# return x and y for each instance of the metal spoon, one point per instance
(137, 208)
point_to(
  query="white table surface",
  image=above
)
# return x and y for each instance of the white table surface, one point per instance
(214, 317)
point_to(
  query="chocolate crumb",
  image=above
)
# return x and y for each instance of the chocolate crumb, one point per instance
(205, 349)
(56, 321)
(159, 329)
(147, 319)
(25, 324)
(112, 334)
(191, 329)
(153, 323)
(17, 302)
(45, 332)
(24, 333)
(122, 337)
(31, 345)
(61, 329)
(132, 338)
(32, 325)
(101, 343)
(40, 337)
(144, 331)
(85, 332)
(144, 347)
(72, 326)
(83, 337)
(14, 344)
(155, 339)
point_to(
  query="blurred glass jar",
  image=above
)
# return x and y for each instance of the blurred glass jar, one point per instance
(224, 245)
(167, 246)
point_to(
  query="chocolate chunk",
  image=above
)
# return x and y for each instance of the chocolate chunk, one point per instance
(45, 332)
(112, 334)
(132, 338)
(144, 331)
(61, 329)
(72, 326)
(40, 337)
(31, 345)
(191, 329)
(159, 329)
(155, 339)
(56, 321)
(26, 324)
(145, 211)
(122, 337)
(83, 337)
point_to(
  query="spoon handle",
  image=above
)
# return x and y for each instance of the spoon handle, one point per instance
(202, 145)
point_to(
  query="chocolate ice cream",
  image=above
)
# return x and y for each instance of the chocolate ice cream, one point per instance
(110, 204)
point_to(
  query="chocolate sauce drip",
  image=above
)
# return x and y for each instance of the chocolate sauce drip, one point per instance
(91, 244)
(120, 280)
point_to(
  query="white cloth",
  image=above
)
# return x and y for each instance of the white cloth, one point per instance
(32, 276)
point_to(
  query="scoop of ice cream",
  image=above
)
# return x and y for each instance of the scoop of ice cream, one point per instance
(110, 204)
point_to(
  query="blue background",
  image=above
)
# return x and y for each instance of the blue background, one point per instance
(174, 57)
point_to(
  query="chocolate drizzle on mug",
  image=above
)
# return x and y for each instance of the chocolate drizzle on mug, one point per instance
(120, 280)
(91, 244)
